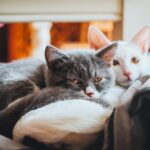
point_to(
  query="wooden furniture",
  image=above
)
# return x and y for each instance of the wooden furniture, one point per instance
(129, 15)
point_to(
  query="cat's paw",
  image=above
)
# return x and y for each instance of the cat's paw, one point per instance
(138, 85)
(146, 82)
(144, 79)
(129, 93)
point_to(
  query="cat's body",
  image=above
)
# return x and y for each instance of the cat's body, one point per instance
(53, 118)
(26, 76)
(20, 78)
(75, 77)
(130, 62)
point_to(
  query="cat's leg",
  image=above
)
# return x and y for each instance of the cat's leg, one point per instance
(130, 92)
(112, 96)
(11, 91)
(146, 84)
(11, 114)
(136, 86)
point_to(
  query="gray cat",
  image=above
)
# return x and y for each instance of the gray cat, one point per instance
(20, 78)
(69, 75)
(76, 70)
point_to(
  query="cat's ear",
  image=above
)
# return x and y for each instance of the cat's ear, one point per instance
(53, 54)
(107, 53)
(96, 38)
(142, 39)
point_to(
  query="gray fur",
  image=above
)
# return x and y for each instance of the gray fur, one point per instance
(20, 78)
(81, 65)
(57, 75)
(11, 114)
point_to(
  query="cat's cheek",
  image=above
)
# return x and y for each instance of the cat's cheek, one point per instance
(119, 75)
(118, 72)
(96, 95)
(135, 77)
(75, 87)
(82, 92)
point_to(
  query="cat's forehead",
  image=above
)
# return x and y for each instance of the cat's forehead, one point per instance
(83, 57)
(87, 61)
(76, 53)
(127, 50)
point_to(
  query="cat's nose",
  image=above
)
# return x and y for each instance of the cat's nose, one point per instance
(127, 74)
(89, 94)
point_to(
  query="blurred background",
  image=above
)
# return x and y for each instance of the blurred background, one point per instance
(26, 27)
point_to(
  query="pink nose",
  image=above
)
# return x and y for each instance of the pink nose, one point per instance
(127, 74)
(90, 94)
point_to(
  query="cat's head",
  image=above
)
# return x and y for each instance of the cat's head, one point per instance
(130, 58)
(86, 71)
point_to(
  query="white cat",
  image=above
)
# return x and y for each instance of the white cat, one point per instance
(130, 62)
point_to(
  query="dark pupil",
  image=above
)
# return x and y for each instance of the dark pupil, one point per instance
(135, 60)
(115, 62)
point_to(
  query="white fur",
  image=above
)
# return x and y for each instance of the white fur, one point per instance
(137, 47)
(129, 93)
(124, 54)
(24, 70)
(55, 121)
(112, 97)
(118, 94)
(13, 76)
(121, 93)
(95, 94)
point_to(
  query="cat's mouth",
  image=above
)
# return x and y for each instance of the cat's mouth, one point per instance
(127, 81)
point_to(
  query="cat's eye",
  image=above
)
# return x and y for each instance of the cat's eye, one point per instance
(135, 60)
(115, 62)
(75, 81)
(98, 79)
